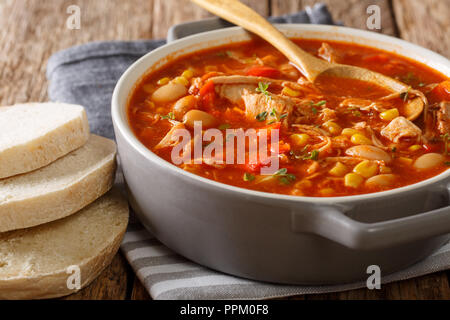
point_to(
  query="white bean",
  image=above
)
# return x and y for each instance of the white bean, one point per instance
(169, 92)
(369, 152)
(208, 121)
(381, 180)
(428, 161)
(183, 105)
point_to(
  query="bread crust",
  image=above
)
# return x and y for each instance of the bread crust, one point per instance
(54, 284)
(46, 207)
(44, 149)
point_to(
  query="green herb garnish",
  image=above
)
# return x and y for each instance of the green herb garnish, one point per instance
(409, 77)
(262, 88)
(284, 177)
(404, 95)
(314, 110)
(248, 177)
(262, 116)
(318, 104)
(313, 155)
(274, 114)
(447, 163)
(280, 172)
(169, 116)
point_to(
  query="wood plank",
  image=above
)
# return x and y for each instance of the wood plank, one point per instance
(425, 23)
(351, 12)
(139, 292)
(164, 15)
(30, 31)
(112, 283)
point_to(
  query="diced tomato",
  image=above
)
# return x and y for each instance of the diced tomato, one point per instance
(207, 95)
(263, 71)
(442, 91)
(253, 166)
(431, 147)
(207, 88)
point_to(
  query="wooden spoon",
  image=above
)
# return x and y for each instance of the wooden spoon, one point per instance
(311, 67)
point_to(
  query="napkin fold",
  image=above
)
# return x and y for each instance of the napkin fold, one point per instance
(87, 75)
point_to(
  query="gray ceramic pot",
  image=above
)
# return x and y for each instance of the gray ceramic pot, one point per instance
(279, 238)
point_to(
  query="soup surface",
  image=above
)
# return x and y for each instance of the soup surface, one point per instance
(336, 137)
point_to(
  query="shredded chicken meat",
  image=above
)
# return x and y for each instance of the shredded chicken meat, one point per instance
(400, 128)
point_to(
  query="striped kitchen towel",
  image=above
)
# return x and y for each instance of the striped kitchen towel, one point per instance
(167, 275)
(87, 75)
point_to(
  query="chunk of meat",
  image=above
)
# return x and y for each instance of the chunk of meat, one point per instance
(257, 103)
(443, 117)
(234, 92)
(328, 114)
(400, 128)
(362, 104)
(170, 139)
(326, 52)
(232, 87)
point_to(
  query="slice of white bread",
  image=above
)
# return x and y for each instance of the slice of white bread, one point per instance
(59, 189)
(33, 135)
(34, 262)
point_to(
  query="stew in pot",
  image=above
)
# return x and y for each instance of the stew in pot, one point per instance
(335, 138)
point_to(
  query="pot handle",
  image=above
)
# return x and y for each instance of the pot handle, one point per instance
(333, 224)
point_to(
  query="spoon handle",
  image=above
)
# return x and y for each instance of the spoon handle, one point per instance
(241, 15)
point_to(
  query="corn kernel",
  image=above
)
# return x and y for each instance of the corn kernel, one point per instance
(181, 80)
(359, 138)
(163, 81)
(366, 169)
(385, 169)
(415, 147)
(326, 191)
(405, 160)
(349, 132)
(303, 184)
(188, 74)
(332, 127)
(353, 180)
(390, 114)
(300, 139)
(289, 92)
(339, 170)
(210, 68)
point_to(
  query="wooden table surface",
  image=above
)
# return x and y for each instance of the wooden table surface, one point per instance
(32, 30)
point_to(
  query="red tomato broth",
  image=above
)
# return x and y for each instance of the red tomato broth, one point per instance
(238, 59)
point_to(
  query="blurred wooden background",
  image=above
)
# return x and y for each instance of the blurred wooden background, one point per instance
(31, 30)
